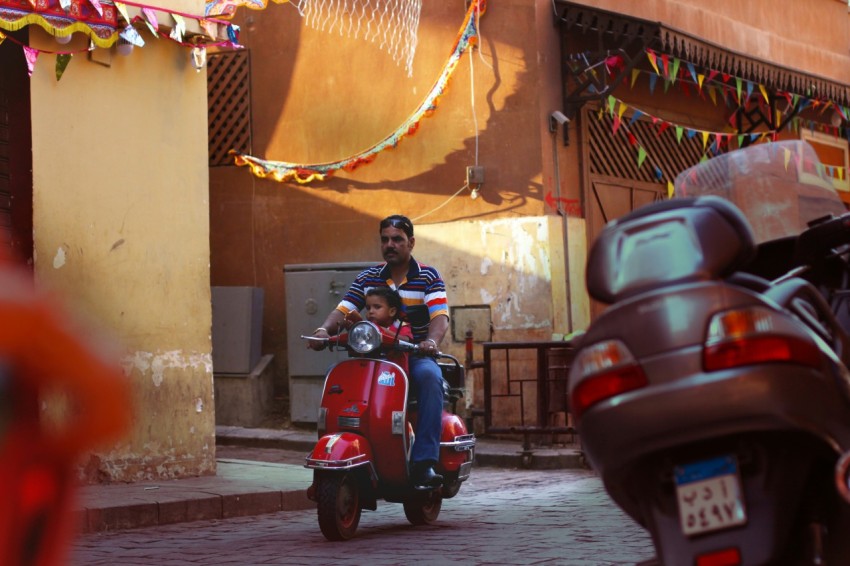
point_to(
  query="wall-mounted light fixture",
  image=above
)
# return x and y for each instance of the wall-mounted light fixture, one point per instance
(63, 39)
(199, 57)
(123, 47)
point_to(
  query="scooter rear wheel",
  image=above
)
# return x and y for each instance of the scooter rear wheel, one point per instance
(338, 504)
(423, 508)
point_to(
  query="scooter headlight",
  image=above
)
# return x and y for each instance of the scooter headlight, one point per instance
(364, 337)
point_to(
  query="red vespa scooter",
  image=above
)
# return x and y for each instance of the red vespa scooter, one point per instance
(366, 429)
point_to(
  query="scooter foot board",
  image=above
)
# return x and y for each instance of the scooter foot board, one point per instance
(709, 495)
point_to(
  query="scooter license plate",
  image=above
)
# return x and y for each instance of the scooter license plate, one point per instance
(709, 495)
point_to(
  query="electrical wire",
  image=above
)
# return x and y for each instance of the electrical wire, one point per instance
(447, 201)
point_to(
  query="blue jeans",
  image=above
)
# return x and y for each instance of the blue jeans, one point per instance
(427, 385)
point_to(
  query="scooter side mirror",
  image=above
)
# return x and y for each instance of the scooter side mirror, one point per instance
(842, 481)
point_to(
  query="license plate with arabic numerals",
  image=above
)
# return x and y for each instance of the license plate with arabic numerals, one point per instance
(709, 495)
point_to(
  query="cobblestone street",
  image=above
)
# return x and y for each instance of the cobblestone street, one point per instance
(500, 517)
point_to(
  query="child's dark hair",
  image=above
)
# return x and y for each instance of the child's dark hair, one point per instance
(390, 295)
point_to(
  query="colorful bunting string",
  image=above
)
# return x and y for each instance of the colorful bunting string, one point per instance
(282, 171)
(617, 109)
(129, 33)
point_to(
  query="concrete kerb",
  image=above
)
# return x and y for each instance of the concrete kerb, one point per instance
(243, 488)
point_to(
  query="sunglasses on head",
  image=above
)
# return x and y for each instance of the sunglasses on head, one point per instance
(397, 223)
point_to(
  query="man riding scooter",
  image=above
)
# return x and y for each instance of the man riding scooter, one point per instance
(417, 284)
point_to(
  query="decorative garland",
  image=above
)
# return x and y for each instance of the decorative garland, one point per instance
(282, 171)
(99, 20)
(738, 94)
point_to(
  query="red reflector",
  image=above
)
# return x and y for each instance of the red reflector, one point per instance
(726, 557)
(760, 349)
(605, 385)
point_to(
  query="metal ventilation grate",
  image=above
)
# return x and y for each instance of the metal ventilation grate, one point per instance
(229, 104)
(614, 156)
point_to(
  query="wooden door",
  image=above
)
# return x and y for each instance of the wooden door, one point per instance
(15, 151)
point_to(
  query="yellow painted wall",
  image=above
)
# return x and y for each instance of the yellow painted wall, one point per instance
(121, 225)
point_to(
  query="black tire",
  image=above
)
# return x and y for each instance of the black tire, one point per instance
(338, 505)
(423, 508)
(451, 485)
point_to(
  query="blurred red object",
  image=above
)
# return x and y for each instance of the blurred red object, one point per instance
(38, 350)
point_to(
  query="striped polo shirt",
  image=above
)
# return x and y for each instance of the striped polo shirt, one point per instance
(423, 285)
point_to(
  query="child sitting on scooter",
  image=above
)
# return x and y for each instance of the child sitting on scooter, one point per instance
(384, 308)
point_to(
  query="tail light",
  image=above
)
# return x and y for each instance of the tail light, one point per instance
(725, 557)
(755, 335)
(607, 369)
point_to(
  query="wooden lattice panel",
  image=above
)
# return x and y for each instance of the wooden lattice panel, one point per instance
(613, 155)
(229, 104)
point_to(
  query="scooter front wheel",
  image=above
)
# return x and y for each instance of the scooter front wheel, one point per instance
(423, 508)
(338, 504)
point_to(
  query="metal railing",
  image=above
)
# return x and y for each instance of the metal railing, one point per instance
(525, 389)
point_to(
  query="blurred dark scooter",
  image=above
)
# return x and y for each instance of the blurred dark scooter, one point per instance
(713, 395)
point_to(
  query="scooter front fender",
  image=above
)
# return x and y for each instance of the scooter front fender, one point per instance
(341, 451)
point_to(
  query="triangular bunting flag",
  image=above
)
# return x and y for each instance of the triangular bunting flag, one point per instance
(704, 140)
(738, 85)
(665, 62)
(130, 35)
(622, 110)
(122, 9)
(635, 116)
(62, 60)
(740, 140)
(179, 29)
(712, 74)
(97, 7)
(632, 139)
(664, 126)
(651, 56)
(31, 55)
(658, 173)
(641, 156)
(670, 189)
(635, 73)
(679, 131)
(693, 71)
(153, 23)
(653, 79)
(749, 90)
(700, 80)
(712, 92)
(764, 93)
(675, 72)
(616, 125)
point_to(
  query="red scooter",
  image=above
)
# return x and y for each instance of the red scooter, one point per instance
(366, 424)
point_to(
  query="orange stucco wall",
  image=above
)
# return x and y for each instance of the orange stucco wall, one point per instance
(814, 36)
(319, 97)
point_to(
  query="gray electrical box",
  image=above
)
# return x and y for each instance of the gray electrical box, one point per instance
(312, 291)
(237, 328)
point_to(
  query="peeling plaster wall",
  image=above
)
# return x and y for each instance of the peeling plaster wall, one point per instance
(121, 226)
(514, 265)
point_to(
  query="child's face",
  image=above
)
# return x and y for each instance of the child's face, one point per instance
(378, 311)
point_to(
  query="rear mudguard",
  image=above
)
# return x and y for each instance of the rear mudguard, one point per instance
(342, 451)
(457, 447)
